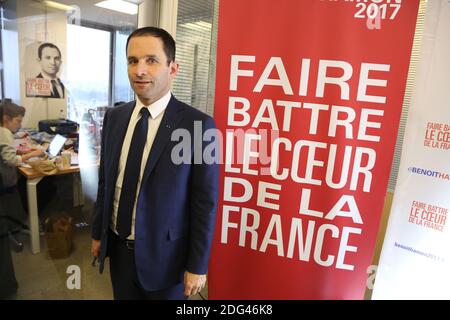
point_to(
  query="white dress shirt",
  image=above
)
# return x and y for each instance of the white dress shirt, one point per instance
(156, 110)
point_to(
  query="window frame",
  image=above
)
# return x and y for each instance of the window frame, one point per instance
(2, 79)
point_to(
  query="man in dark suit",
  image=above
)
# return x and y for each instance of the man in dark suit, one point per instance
(154, 218)
(49, 57)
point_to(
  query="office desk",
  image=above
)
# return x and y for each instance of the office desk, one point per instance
(33, 178)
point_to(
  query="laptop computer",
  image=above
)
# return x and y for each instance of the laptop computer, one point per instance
(55, 146)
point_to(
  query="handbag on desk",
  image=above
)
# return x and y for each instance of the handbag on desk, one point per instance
(44, 166)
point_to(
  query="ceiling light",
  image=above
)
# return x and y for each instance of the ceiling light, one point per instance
(119, 5)
(57, 5)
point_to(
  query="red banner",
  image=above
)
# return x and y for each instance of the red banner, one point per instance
(308, 99)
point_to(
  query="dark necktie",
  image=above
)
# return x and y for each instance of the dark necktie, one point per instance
(55, 89)
(131, 176)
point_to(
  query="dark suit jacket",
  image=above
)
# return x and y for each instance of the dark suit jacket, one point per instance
(52, 94)
(176, 207)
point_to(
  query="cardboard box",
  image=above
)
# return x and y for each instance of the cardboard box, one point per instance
(59, 235)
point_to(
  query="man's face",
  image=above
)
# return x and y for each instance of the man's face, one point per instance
(149, 73)
(50, 61)
(13, 124)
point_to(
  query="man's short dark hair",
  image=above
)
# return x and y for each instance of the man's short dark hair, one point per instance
(47, 45)
(11, 110)
(168, 41)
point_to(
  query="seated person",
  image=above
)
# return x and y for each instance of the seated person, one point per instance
(11, 116)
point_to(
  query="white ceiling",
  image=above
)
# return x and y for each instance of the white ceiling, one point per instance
(93, 14)
(90, 12)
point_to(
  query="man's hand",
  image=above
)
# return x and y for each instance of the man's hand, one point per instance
(193, 283)
(95, 248)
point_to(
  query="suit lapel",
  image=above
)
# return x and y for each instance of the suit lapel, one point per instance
(172, 115)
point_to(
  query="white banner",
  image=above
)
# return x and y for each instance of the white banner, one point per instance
(415, 259)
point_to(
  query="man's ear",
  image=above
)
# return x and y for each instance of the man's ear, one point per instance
(173, 68)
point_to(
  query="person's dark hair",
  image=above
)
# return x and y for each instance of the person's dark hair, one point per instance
(47, 45)
(11, 110)
(168, 42)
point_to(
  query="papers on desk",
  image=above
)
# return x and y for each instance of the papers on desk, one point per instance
(25, 145)
(74, 159)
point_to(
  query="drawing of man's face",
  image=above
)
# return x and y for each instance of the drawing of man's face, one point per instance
(50, 61)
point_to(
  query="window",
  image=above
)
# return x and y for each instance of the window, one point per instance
(193, 37)
(88, 69)
(122, 88)
(10, 76)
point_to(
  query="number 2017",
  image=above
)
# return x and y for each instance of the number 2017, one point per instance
(372, 10)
